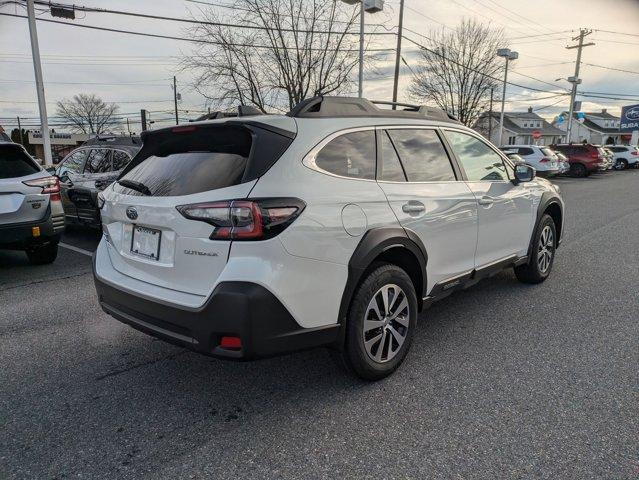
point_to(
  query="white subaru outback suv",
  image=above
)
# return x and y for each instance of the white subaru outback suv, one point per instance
(331, 226)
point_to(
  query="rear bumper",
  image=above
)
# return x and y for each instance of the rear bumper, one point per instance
(21, 235)
(237, 309)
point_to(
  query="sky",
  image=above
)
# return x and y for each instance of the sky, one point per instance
(137, 72)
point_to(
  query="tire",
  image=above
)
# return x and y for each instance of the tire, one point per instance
(621, 164)
(43, 254)
(368, 348)
(544, 245)
(578, 170)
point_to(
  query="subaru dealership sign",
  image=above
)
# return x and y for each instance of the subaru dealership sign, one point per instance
(629, 118)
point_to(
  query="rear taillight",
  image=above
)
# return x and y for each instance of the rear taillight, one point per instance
(256, 219)
(636, 153)
(595, 155)
(545, 160)
(50, 185)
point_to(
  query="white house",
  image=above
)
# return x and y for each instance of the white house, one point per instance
(599, 128)
(520, 128)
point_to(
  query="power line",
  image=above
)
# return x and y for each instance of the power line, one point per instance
(618, 33)
(471, 69)
(199, 22)
(611, 68)
(170, 37)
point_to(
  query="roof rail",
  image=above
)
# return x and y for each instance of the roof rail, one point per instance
(331, 107)
(242, 111)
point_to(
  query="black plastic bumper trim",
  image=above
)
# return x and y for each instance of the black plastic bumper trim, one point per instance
(241, 309)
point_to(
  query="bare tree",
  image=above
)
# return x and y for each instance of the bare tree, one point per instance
(88, 113)
(458, 68)
(288, 50)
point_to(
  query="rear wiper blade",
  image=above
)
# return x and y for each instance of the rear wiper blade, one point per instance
(137, 186)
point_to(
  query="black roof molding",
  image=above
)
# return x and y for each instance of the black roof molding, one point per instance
(331, 107)
(114, 140)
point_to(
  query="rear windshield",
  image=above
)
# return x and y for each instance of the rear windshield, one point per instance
(188, 160)
(14, 162)
(547, 151)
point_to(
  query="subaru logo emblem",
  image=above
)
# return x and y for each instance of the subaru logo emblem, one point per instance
(132, 213)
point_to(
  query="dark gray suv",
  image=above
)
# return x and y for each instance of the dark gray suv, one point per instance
(88, 170)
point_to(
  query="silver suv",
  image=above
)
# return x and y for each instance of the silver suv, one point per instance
(31, 214)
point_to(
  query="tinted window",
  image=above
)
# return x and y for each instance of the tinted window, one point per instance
(391, 168)
(422, 155)
(98, 161)
(74, 163)
(188, 172)
(119, 159)
(349, 155)
(526, 151)
(14, 162)
(479, 160)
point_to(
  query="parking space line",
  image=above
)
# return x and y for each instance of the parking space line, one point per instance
(76, 249)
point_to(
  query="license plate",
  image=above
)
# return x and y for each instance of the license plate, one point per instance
(146, 242)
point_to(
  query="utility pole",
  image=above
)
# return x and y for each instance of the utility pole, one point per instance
(576, 80)
(37, 67)
(143, 119)
(20, 131)
(175, 95)
(127, 126)
(399, 51)
(490, 116)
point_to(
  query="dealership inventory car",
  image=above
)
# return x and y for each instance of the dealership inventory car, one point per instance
(331, 226)
(584, 158)
(542, 158)
(31, 215)
(562, 160)
(88, 170)
(625, 156)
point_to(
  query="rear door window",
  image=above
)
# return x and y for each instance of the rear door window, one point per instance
(526, 151)
(349, 155)
(392, 170)
(14, 162)
(98, 161)
(422, 155)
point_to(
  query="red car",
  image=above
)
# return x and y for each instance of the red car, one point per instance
(584, 158)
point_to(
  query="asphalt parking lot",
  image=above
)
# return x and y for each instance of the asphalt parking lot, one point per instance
(504, 380)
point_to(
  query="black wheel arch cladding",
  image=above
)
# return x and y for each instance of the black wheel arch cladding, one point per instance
(376, 243)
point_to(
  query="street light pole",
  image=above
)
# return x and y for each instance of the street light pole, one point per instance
(370, 6)
(37, 67)
(508, 55)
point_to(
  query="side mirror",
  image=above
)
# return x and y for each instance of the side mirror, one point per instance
(524, 173)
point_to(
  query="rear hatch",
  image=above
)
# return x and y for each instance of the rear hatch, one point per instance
(152, 241)
(20, 203)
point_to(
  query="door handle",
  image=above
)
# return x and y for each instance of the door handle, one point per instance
(486, 200)
(413, 207)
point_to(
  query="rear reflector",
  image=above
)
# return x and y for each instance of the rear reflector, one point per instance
(231, 342)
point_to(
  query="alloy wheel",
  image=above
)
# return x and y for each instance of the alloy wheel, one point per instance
(386, 323)
(546, 249)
